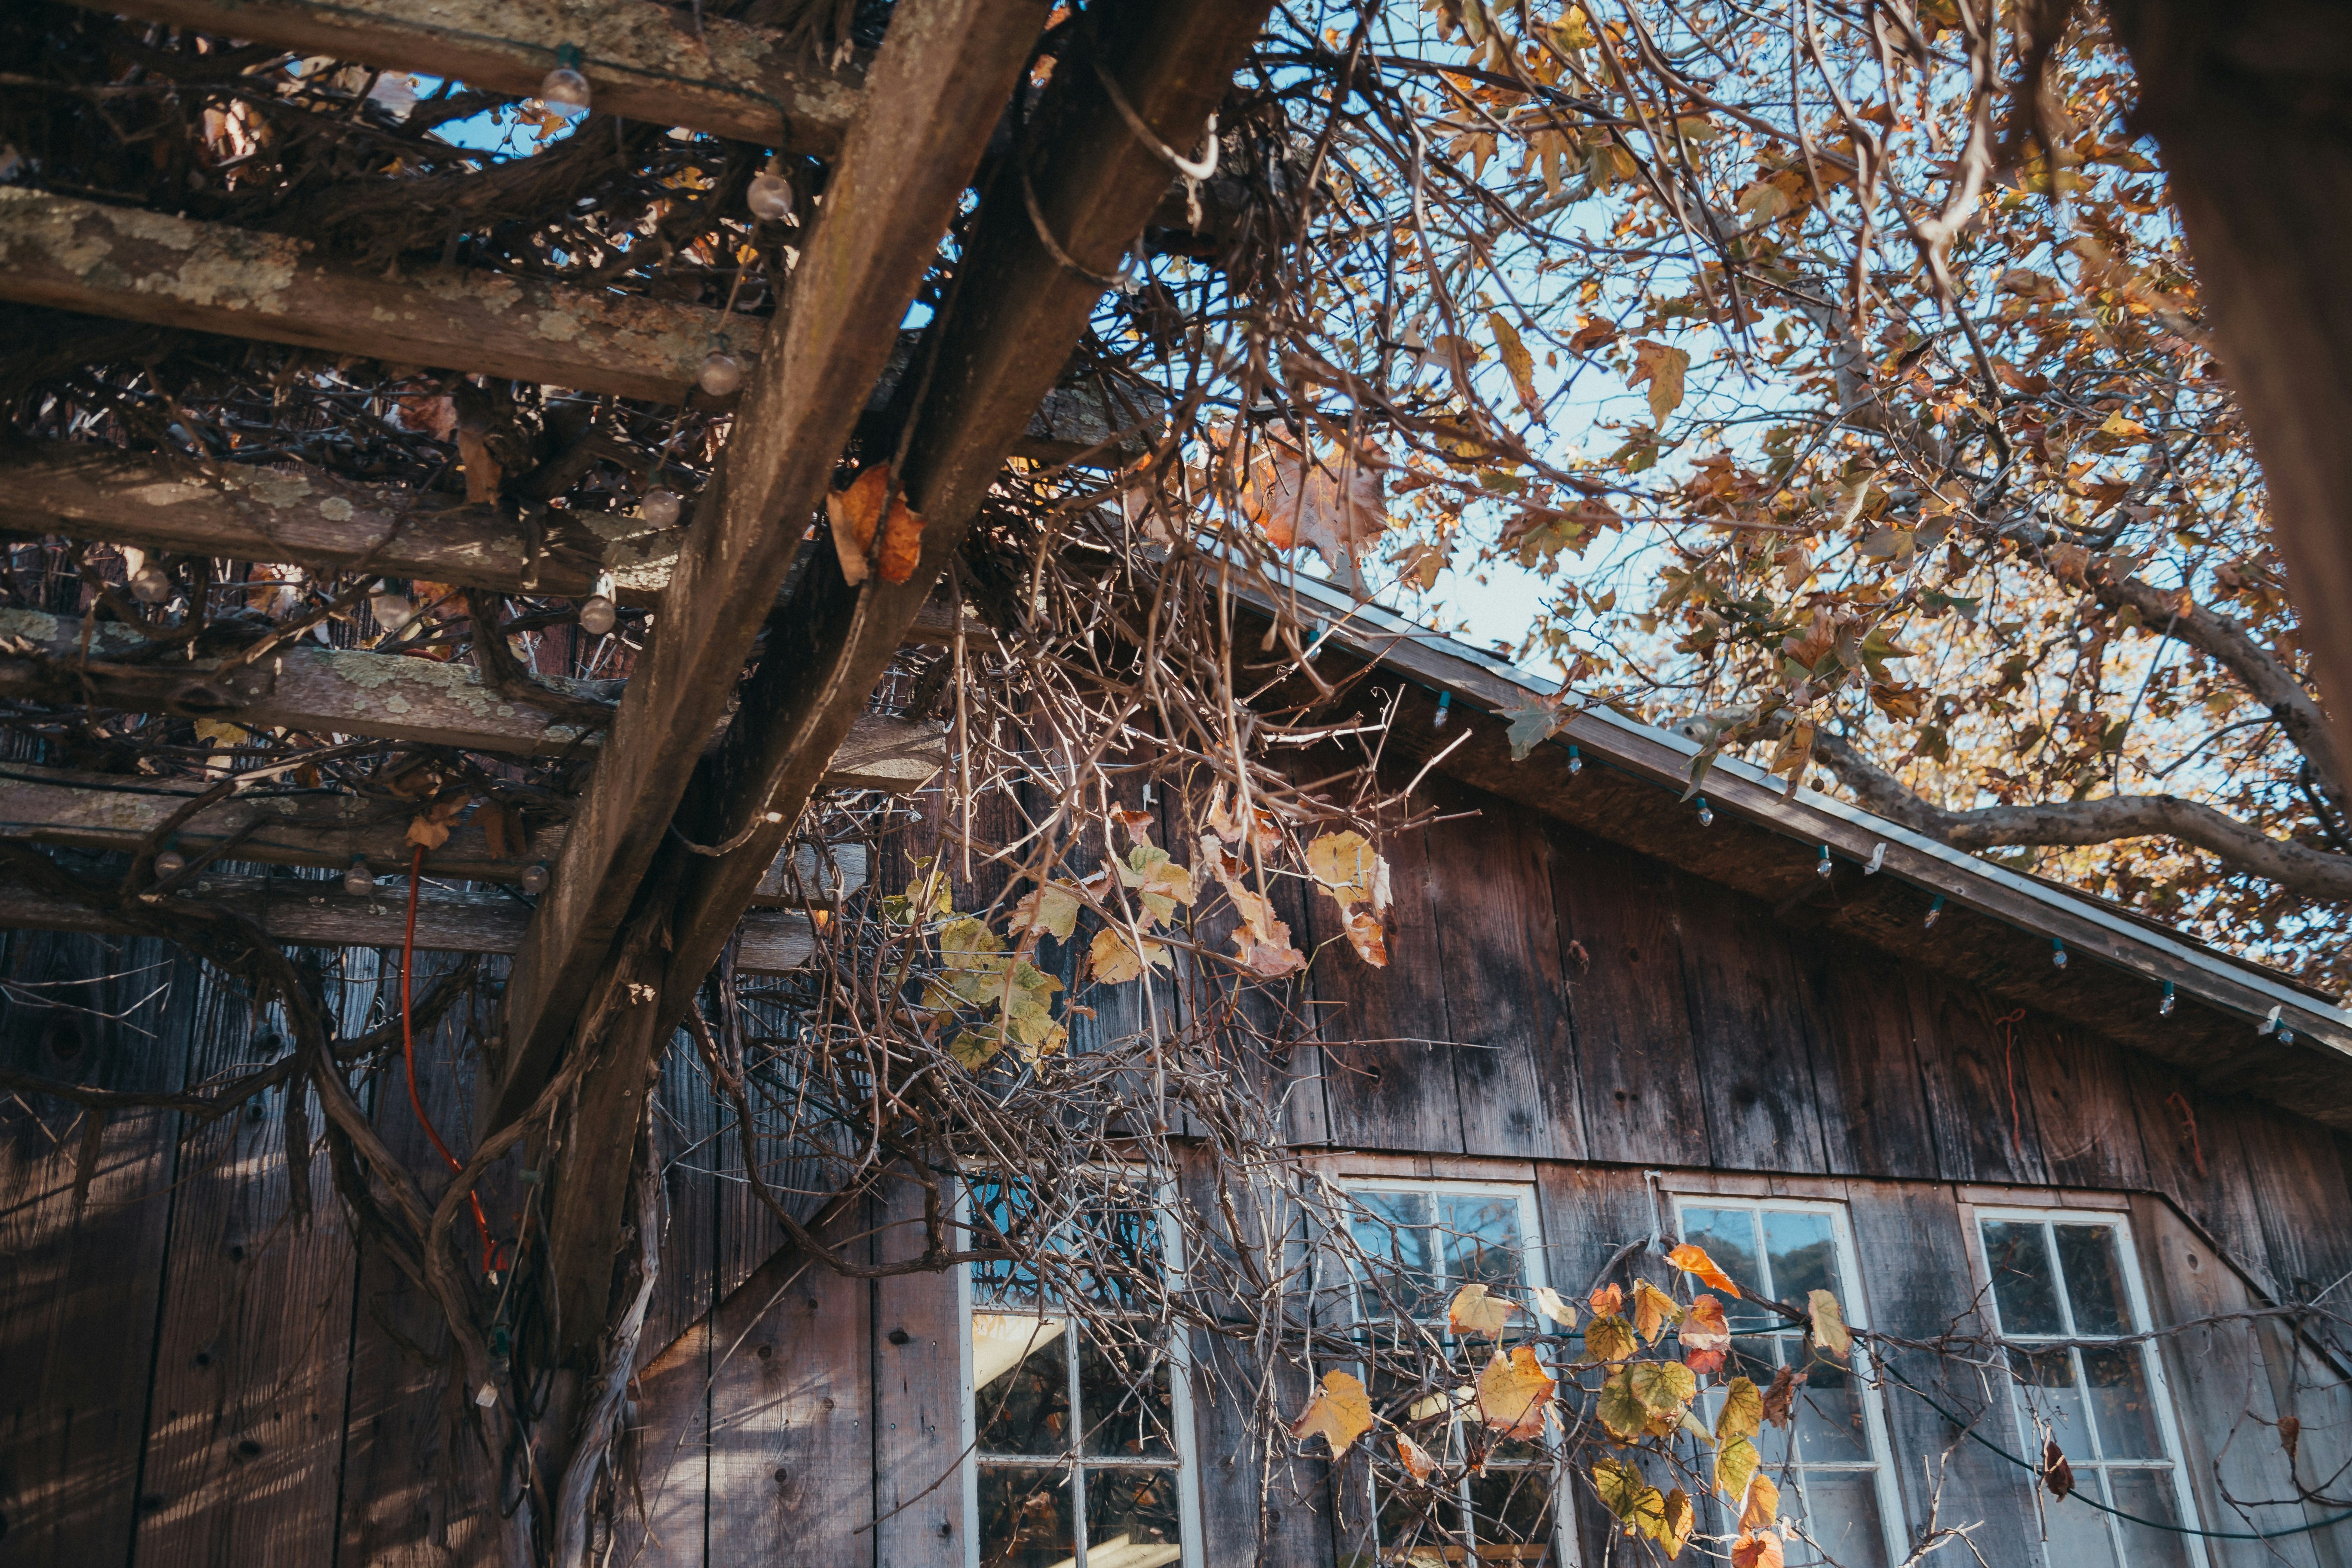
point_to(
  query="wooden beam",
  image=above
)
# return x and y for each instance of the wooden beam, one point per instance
(321, 914)
(642, 60)
(1003, 339)
(113, 814)
(354, 691)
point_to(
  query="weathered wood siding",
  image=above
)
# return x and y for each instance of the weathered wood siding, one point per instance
(175, 1354)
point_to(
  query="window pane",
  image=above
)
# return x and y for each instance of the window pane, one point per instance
(1115, 1243)
(2148, 1494)
(1026, 1517)
(1829, 1423)
(2121, 1403)
(1005, 1212)
(2021, 1286)
(1131, 1519)
(1840, 1514)
(1510, 1509)
(2045, 1387)
(1804, 1259)
(2094, 1270)
(1418, 1523)
(1730, 1237)
(1481, 1241)
(1393, 1229)
(2076, 1533)
(1753, 1357)
(1022, 1381)
(1123, 1400)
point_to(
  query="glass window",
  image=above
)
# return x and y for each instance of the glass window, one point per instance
(1080, 1430)
(1830, 1462)
(2061, 1283)
(1419, 1245)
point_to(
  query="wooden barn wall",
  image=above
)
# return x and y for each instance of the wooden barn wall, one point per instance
(193, 1377)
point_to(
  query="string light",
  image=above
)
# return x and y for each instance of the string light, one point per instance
(535, 879)
(597, 611)
(2164, 1008)
(564, 89)
(2057, 954)
(171, 863)
(719, 375)
(358, 881)
(1444, 702)
(1705, 813)
(1575, 761)
(389, 605)
(1824, 867)
(150, 584)
(1935, 913)
(769, 197)
(661, 507)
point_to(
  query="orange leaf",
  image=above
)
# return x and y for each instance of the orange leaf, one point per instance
(1704, 1328)
(1607, 1299)
(1513, 1391)
(1416, 1458)
(1756, 1549)
(1693, 1259)
(902, 541)
(855, 514)
(1332, 504)
(1341, 1411)
(1763, 1503)
(1364, 935)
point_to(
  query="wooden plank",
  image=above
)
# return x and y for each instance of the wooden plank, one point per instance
(1979, 1096)
(321, 914)
(308, 517)
(1748, 1033)
(2083, 1108)
(80, 1298)
(137, 265)
(356, 692)
(2299, 1192)
(918, 1380)
(1016, 311)
(2189, 1142)
(941, 80)
(247, 1412)
(1387, 1044)
(1874, 1113)
(1623, 958)
(1514, 1074)
(716, 75)
(1915, 1255)
(2221, 1388)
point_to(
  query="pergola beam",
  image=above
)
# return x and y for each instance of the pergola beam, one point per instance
(642, 60)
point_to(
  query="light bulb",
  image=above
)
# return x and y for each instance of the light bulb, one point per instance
(1823, 867)
(1575, 761)
(150, 584)
(719, 374)
(2164, 1008)
(564, 89)
(597, 612)
(171, 863)
(358, 881)
(1705, 813)
(770, 197)
(535, 879)
(660, 507)
(2057, 954)
(2286, 1036)
(1935, 913)
(389, 606)
(1444, 702)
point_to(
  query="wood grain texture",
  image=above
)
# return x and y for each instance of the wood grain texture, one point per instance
(1979, 1093)
(1388, 1049)
(918, 1380)
(2081, 1108)
(1749, 1032)
(1873, 1111)
(81, 1286)
(1515, 1068)
(1623, 958)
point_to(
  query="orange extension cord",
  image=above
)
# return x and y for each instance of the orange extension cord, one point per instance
(408, 1051)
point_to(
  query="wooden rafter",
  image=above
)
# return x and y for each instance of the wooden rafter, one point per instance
(715, 75)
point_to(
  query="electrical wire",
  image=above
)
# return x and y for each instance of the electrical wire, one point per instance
(408, 1055)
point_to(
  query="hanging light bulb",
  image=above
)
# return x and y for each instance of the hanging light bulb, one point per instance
(719, 375)
(1935, 913)
(1823, 867)
(769, 197)
(660, 507)
(1705, 813)
(564, 89)
(171, 863)
(389, 605)
(535, 879)
(1444, 702)
(358, 881)
(597, 611)
(1575, 761)
(2057, 954)
(2164, 1008)
(150, 584)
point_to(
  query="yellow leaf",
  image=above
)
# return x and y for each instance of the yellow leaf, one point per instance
(1264, 940)
(1829, 1333)
(1113, 961)
(1053, 908)
(1735, 1462)
(220, 732)
(1347, 867)
(1621, 1409)
(1704, 1328)
(1626, 1493)
(1513, 1391)
(1742, 1415)
(1763, 1504)
(1573, 31)
(1549, 1302)
(1473, 1311)
(1664, 1387)
(1341, 1411)
(1609, 1338)
(1674, 1527)
(1653, 1310)
(1662, 368)
(1693, 1259)
(1518, 362)
(1417, 1460)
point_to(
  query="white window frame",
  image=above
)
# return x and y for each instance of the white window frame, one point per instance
(2152, 1363)
(1180, 1393)
(1531, 1277)
(1856, 1304)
